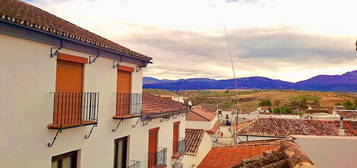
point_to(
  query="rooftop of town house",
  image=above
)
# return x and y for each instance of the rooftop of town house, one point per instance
(229, 156)
(215, 127)
(313, 111)
(285, 127)
(351, 127)
(26, 15)
(156, 105)
(200, 114)
(348, 114)
(193, 140)
(287, 155)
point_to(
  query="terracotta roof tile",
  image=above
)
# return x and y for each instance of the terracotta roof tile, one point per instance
(158, 105)
(348, 114)
(200, 114)
(313, 111)
(227, 157)
(351, 126)
(193, 140)
(21, 13)
(289, 154)
(285, 127)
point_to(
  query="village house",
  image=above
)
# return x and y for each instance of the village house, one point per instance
(277, 128)
(71, 98)
(198, 144)
(199, 118)
(299, 151)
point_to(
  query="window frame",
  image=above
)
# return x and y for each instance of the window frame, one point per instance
(59, 158)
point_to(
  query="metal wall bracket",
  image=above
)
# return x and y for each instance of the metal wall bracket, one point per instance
(136, 123)
(90, 132)
(138, 68)
(165, 118)
(50, 144)
(115, 129)
(116, 63)
(175, 116)
(146, 122)
(54, 52)
(92, 59)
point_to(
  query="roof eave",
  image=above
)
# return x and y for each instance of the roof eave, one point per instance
(119, 54)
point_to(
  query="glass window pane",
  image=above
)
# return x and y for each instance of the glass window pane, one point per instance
(67, 162)
(55, 164)
(120, 154)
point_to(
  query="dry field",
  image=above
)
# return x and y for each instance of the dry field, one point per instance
(249, 99)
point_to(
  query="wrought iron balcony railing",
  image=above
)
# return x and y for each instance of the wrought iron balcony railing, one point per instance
(134, 164)
(128, 105)
(179, 149)
(181, 146)
(158, 159)
(73, 109)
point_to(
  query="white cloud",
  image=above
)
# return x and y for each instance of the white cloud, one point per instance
(193, 22)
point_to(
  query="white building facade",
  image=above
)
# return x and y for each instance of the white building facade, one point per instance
(53, 118)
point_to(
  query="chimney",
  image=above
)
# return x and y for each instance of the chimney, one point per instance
(341, 131)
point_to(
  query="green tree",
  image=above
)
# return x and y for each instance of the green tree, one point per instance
(348, 105)
(265, 103)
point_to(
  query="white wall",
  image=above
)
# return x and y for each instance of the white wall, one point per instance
(206, 125)
(192, 161)
(328, 151)
(28, 76)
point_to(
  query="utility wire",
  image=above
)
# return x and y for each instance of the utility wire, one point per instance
(234, 77)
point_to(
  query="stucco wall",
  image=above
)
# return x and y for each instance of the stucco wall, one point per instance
(206, 125)
(28, 76)
(192, 161)
(329, 152)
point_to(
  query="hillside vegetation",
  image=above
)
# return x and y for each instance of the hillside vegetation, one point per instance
(249, 100)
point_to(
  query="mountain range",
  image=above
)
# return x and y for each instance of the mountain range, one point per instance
(346, 82)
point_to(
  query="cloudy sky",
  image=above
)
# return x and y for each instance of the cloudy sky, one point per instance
(290, 40)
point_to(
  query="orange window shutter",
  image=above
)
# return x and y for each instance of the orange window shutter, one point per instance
(176, 137)
(123, 93)
(123, 81)
(153, 145)
(69, 87)
(69, 76)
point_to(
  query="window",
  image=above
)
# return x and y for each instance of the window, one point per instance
(153, 147)
(69, 88)
(121, 152)
(67, 160)
(123, 91)
(176, 129)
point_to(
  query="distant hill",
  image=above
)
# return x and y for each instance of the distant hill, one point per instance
(346, 82)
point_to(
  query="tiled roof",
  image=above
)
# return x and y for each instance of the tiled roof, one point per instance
(215, 128)
(348, 114)
(199, 114)
(289, 154)
(313, 111)
(351, 126)
(229, 156)
(285, 127)
(24, 14)
(193, 140)
(156, 105)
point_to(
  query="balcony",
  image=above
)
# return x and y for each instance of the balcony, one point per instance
(180, 148)
(128, 105)
(158, 159)
(74, 109)
(134, 164)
